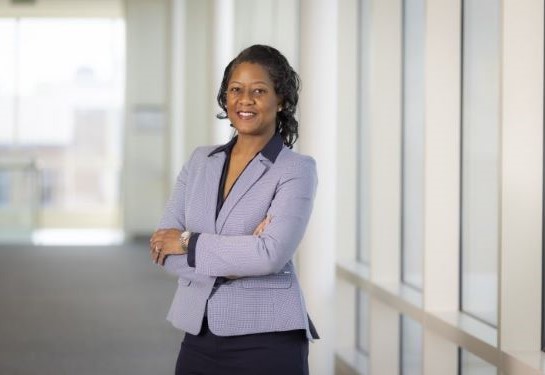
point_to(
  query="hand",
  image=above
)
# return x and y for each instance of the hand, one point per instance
(261, 227)
(165, 242)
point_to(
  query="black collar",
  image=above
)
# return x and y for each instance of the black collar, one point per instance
(270, 151)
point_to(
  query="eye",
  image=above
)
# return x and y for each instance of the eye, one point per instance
(234, 89)
(259, 91)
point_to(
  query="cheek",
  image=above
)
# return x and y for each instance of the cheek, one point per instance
(272, 110)
(230, 107)
(229, 102)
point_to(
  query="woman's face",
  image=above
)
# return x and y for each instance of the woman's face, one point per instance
(252, 102)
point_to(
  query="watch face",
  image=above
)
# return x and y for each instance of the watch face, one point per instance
(185, 236)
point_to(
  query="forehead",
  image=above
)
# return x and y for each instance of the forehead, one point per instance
(248, 72)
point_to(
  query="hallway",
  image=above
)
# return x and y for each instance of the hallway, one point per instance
(84, 310)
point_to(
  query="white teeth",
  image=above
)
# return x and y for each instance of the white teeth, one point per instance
(246, 114)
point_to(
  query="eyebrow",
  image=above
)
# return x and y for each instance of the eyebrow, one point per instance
(261, 82)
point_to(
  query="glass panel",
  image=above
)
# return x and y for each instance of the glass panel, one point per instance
(18, 200)
(68, 67)
(8, 76)
(411, 347)
(363, 322)
(481, 155)
(413, 141)
(472, 365)
(68, 118)
(364, 25)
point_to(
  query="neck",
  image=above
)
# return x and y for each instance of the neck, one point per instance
(248, 145)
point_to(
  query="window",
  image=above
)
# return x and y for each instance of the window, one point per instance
(413, 142)
(364, 35)
(470, 364)
(362, 337)
(480, 158)
(411, 347)
(7, 79)
(61, 110)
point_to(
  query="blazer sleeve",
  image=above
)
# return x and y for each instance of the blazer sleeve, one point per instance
(174, 218)
(249, 255)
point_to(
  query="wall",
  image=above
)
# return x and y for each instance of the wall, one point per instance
(146, 148)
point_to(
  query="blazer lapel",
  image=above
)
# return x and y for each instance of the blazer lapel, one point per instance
(246, 180)
(214, 166)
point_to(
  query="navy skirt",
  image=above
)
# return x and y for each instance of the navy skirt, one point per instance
(267, 353)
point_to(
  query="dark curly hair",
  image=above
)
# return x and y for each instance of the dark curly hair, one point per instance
(286, 85)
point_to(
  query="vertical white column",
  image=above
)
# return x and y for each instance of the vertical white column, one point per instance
(347, 172)
(384, 140)
(145, 174)
(441, 176)
(177, 99)
(197, 76)
(384, 337)
(384, 177)
(442, 162)
(318, 132)
(522, 175)
(222, 45)
(439, 356)
(347, 123)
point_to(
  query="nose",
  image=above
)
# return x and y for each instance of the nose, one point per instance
(246, 97)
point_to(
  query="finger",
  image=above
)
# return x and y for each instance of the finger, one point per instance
(156, 256)
(161, 257)
(257, 230)
(152, 247)
(261, 227)
(152, 243)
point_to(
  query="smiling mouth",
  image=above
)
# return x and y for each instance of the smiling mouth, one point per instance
(244, 115)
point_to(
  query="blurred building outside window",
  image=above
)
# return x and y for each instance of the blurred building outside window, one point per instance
(61, 116)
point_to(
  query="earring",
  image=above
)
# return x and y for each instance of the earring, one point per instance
(279, 109)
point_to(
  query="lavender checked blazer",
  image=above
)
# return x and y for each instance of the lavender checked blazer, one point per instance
(266, 296)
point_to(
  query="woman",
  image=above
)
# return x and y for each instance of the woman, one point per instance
(232, 225)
